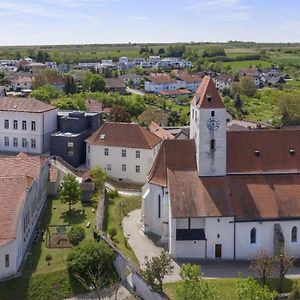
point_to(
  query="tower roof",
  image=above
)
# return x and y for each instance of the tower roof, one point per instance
(207, 95)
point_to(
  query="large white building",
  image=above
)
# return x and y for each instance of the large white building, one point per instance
(224, 194)
(158, 82)
(26, 125)
(125, 151)
(23, 186)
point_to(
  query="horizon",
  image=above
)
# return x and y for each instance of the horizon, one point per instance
(82, 22)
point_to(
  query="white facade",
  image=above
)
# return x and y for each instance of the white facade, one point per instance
(27, 131)
(126, 164)
(13, 253)
(154, 87)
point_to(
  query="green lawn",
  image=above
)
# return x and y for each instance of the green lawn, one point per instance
(226, 287)
(247, 63)
(118, 208)
(43, 280)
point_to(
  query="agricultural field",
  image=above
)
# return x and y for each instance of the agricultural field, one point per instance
(247, 63)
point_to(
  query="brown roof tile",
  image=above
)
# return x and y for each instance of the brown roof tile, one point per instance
(127, 135)
(189, 78)
(159, 78)
(24, 105)
(273, 148)
(207, 95)
(160, 132)
(174, 155)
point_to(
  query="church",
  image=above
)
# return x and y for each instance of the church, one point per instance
(224, 194)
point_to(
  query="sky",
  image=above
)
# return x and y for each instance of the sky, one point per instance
(38, 22)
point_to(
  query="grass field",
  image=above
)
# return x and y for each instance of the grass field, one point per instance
(118, 208)
(40, 280)
(247, 63)
(285, 58)
(226, 287)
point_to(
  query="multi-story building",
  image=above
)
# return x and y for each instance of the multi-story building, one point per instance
(158, 82)
(73, 129)
(125, 151)
(26, 125)
(23, 185)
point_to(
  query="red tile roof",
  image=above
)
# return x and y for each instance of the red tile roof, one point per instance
(174, 155)
(273, 148)
(24, 105)
(127, 135)
(189, 78)
(17, 175)
(159, 78)
(160, 132)
(175, 92)
(207, 95)
(53, 174)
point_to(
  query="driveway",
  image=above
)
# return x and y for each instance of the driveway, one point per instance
(143, 246)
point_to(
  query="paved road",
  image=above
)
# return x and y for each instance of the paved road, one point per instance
(144, 246)
(134, 91)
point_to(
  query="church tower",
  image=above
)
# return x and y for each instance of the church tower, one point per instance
(208, 128)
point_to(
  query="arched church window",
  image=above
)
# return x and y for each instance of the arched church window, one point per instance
(212, 114)
(253, 236)
(294, 234)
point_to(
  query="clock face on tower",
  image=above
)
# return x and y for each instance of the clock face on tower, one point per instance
(212, 124)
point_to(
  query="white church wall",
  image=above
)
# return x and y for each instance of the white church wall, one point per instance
(220, 231)
(190, 249)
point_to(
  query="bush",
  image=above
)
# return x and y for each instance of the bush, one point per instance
(112, 232)
(76, 235)
(48, 258)
(113, 194)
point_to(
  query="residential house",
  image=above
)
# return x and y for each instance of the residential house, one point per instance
(128, 78)
(223, 81)
(26, 125)
(23, 185)
(69, 141)
(20, 83)
(160, 132)
(125, 151)
(224, 194)
(188, 81)
(158, 82)
(115, 85)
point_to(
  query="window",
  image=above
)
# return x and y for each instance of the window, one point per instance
(106, 151)
(24, 125)
(6, 141)
(33, 126)
(109, 167)
(159, 205)
(6, 260)
(24, 143)
(123, 168)
(257, 153)
(15, 142)
(70, 149)
(209, 98)
(137, 169)
(212, 114)
(88, 162)
(213, 145)
(123, 153)
(137, 154)
(253, 236)
(33, 144)
(15, 124)
(294, 234)
(6, 124)
(89, 149)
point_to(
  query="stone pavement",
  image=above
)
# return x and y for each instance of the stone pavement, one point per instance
(143, 246)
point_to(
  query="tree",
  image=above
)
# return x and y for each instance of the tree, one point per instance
(119, 114)
(76, 235)
(288, 106)
(161, 51)
(70, 190)
(70, 85)
(91, 263)
(264, 265)
(97, 83)
(192, 286)
(99, 177)
(249, 289)
(45, 93)
(285, 263)
(156, 269)
(235, 89)
(247, 86)
(42, 56)
(238, 102)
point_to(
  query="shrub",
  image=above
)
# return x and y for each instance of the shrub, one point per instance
(48, 258)
(76, 235)
(112, 232)
(113, 194)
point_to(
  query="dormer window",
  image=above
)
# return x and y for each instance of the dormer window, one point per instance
(212, 114)
(209, 98)
(292, 152)
(257, 153)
